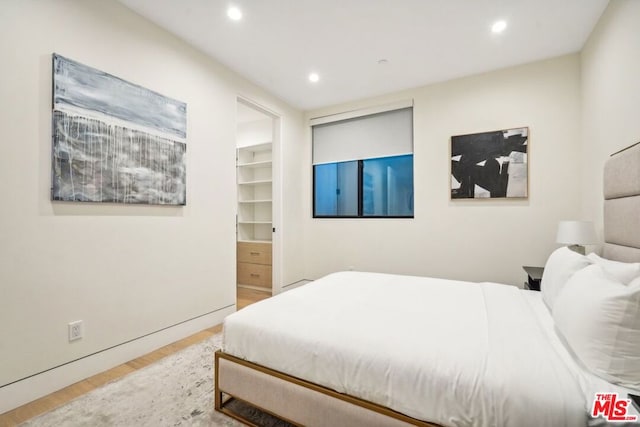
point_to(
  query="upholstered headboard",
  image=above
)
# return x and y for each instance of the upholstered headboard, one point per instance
(622, 205)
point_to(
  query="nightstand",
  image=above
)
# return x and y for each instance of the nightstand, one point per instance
(534, 279)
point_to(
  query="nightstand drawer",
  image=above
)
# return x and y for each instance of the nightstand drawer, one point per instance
(258, 253)
(254, 274)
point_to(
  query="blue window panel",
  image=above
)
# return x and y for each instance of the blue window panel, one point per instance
(336, 189)
(387, 186)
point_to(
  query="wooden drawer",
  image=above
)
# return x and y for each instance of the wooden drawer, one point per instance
(254, 274)
(257, 253)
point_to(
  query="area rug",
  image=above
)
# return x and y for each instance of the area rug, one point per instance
(175, 391)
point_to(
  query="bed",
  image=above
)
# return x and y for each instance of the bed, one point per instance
(372, 349)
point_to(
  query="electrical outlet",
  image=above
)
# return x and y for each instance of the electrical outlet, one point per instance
(75, 330)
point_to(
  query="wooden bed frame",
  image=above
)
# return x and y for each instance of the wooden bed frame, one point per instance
(300, 402)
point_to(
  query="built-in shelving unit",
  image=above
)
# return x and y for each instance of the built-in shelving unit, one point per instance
(255, 195)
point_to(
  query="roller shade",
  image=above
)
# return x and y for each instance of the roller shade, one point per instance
(384, 134)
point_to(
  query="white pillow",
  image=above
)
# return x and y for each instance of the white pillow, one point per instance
(600, 321)
(560, 266)
(623, 272)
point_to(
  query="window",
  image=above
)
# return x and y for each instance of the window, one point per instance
(363, 166)
(336, 189)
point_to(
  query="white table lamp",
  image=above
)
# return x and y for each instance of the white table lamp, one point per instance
(576, 234)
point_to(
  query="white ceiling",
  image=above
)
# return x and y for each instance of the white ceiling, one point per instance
(279, 42)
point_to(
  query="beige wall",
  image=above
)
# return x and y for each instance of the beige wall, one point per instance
(126, 271)
(610, 96)
(478, 240)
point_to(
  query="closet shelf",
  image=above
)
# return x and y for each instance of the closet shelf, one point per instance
(263, 146)
(255, 165)
(260, 181)
(255, 201)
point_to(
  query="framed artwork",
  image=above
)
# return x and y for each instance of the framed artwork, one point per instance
(490, 165)
(114, 141)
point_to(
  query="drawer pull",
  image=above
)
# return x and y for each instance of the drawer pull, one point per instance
(255, 275)
(255, 253)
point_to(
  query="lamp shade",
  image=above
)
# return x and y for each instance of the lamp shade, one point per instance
(576, 233)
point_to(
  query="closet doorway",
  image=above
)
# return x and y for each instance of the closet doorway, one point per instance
(258, 208)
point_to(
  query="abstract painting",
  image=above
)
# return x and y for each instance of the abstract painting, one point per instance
(114, 141)
(490, 164)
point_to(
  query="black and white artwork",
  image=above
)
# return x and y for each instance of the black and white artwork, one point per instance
(490, 164)
(114, 141)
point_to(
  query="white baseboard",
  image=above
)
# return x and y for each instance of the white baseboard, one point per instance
(32, 388)
(296, 284)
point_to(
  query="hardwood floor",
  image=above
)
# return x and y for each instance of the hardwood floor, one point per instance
(47, 403)
(249, 296)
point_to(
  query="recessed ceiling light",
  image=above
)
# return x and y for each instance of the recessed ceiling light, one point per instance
(314, 77)
(234, 13)
(498, 26)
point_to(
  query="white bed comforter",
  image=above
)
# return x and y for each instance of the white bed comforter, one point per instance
(449, 352)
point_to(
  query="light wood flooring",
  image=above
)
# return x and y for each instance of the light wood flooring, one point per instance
(47, 403)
